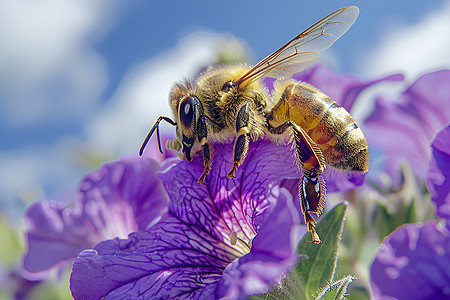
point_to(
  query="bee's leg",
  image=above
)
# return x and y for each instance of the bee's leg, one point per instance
(207, 162)
(317, 188)
(240, 153)
(242, 141)
(202, 135)
(312, 187)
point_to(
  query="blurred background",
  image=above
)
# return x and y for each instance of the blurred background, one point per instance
(81, 82)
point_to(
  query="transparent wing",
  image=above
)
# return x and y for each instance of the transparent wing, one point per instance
(303, 49)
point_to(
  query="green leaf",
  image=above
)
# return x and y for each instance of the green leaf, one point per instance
(290, 288)
(318, 269)
(317, 262)
(383, 221)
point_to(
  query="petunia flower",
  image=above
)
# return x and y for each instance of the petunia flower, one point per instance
(230, 238)
(403, 129)
(344, 89)
(413, 262)
(117, 199)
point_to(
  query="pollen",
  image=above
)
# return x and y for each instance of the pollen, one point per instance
(233, 238)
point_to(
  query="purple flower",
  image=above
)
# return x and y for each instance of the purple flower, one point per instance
(117, 199)
(230, 238)
(413, 263)
(344, 89)
(438, 174)
(403, 129)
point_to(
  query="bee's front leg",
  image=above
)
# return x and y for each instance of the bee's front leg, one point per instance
(243, 139)
(207, 162)
(202, 135)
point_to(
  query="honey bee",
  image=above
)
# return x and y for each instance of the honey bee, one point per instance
(230, 103)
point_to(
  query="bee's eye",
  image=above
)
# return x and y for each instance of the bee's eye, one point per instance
(186, 111)
(227, 86)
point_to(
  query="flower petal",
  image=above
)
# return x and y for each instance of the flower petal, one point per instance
(185, 253)
(114, 200)
(178, 260)
(438, 174)
(55, 235)
(173, 259)
(126, 183)
(403, 129)
(239, 204)
(413, 263)
(273, 254)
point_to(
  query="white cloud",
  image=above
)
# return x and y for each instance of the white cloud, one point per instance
(120, 127)
(48, 72)
(143, 95)
(36, 173)
(414, 49)
(47, 68)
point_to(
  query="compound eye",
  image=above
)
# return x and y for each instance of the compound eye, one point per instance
(227, 86)
(186, 111)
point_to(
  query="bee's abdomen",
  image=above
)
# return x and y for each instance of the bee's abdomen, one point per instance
(329, 125)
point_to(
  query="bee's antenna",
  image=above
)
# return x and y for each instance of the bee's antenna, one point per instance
(152, 130)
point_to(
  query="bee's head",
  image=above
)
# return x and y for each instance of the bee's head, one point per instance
(186, 108)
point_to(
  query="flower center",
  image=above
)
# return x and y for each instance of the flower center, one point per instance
(241, 245)
(234, 240)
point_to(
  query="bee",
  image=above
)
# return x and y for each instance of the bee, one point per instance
(230, 103)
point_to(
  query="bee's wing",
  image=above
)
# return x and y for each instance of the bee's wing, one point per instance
(303, 49)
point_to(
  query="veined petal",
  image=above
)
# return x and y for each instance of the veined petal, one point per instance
(171, 260)
(273, 253)
(228, 205)
(248, 222)
(115, 200)
(177, 260)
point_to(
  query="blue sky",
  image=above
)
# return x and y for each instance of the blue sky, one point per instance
(87, 78)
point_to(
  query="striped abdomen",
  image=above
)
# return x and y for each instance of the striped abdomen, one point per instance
(329, 125)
